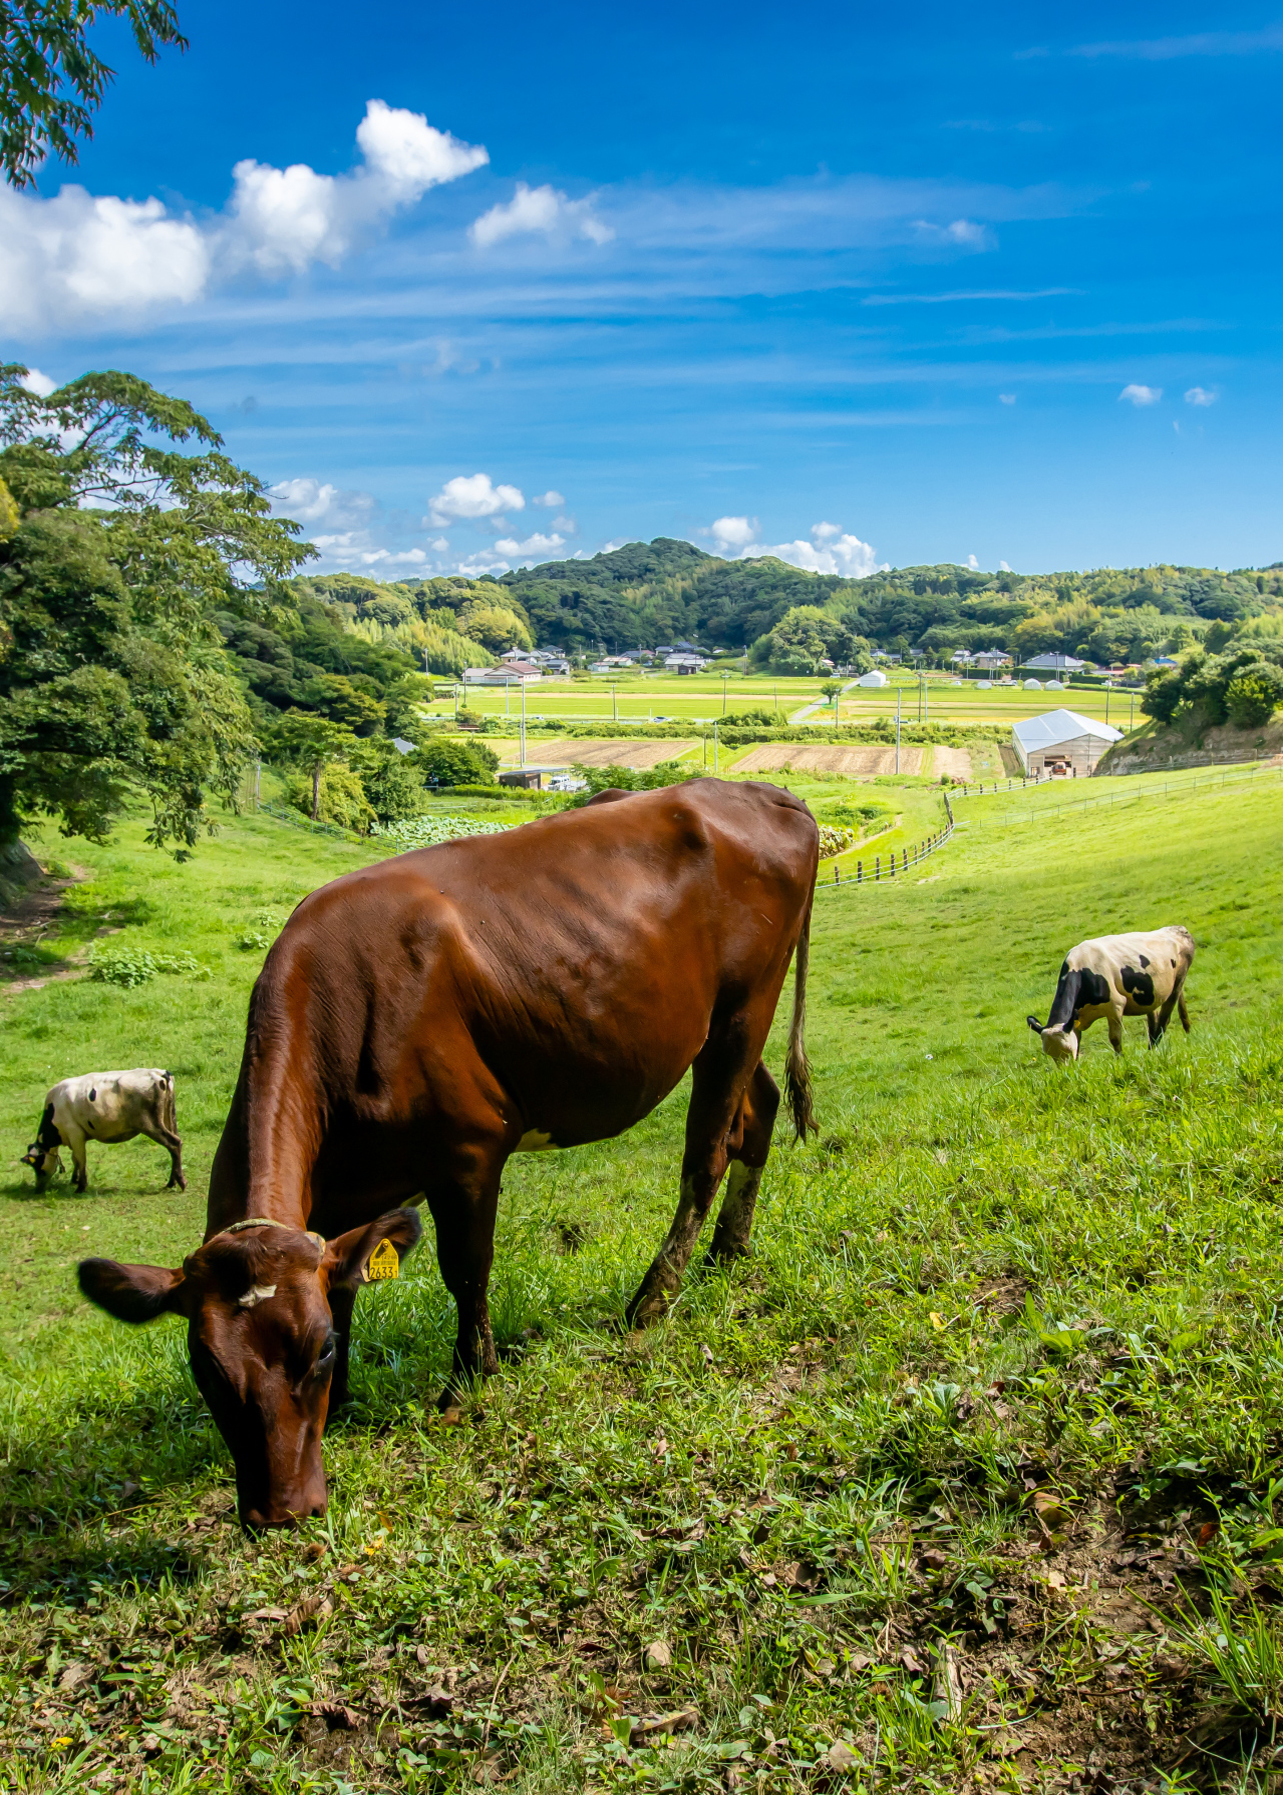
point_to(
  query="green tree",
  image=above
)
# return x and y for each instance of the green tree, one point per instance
(495, 627)
(393, 782)
(339, 697)
(1254, 694)
(310, 742)
(113, 677)
(445, 762)
(51, 82)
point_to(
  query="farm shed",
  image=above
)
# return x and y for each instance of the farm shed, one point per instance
(1061, 742)
(873, 678)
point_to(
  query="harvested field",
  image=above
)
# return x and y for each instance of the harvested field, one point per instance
(955, 762)
(852, 763)
(637, 755)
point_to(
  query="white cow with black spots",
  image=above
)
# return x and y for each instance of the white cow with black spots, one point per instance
(1116, 976)
(108, 1107)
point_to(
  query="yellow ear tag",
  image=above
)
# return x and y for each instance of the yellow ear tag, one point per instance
(383, 1262)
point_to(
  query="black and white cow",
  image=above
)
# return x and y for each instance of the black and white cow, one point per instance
(108, 1107)
(1116, 976)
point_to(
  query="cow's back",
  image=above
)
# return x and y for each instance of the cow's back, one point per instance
(576, 963)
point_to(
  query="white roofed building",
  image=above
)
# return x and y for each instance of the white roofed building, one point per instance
(1063, 742)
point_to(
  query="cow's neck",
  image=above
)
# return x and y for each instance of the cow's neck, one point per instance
(263, 1166)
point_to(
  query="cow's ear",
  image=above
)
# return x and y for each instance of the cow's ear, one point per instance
(348, 1257)
(1034, 1024)
(131, 1292)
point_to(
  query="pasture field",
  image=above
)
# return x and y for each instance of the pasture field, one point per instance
(968, 1479)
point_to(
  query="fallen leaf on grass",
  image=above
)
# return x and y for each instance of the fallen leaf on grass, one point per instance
(312, 1608)
(1055, 1580)
(1049, 1509)
(1206, 1534)
(337, 1715)
(938, 1322)
(933, 1559)
(1005, 1745)
(657, 1655)
(840, 1757)
(911, 1662)
(639, 1730)
(451, 1417)
(264, 1614)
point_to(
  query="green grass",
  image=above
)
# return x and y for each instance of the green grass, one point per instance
(1005, 1325)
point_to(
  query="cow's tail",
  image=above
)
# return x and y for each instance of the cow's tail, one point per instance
(168, 1113)
(1184, 1013)
(797, 1070)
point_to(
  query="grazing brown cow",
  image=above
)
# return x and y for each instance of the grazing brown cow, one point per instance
(419, 1021)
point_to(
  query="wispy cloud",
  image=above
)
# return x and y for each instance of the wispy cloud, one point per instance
(1135, 394)
(539, 211)
(1198, 43)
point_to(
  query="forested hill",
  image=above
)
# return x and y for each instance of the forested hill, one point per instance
(658, 592)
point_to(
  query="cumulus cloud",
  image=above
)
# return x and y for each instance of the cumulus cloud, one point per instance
(317, 502)
(1201, 395)
(283, 219)
(830, 550)
(474, 567)
(79, 255)
(733, 532)
(553, 500)
(972, 562)
(1003, 567)
(472, 496)
(1141, 395)
(534, 548)
(539, 210)
(38, 383)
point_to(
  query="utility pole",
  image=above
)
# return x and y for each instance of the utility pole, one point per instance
(523, 722)
(1108, 687)
(714, 747)
(725, 679)
(456, 701)
(898, 690)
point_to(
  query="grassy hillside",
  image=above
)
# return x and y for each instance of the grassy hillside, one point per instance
(1002, 1377)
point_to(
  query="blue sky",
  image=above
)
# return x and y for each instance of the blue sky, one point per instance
(855, 285)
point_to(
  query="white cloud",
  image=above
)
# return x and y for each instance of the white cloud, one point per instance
(566, 525)
(78, 255)
(75, 255)
(1141, 395)
(315, 502)
(733, 532)
(830, 550)
(1201, 395)
(972, 562)
(963, 230)
(1003, 567)
(534, 548)
(38, 383)
(539, 209)
(553, 500)
(474, 566)
(1006, 398)
(473, 495)
(282, 219)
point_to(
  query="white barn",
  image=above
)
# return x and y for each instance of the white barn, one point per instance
(1061, 742)
(874, 677)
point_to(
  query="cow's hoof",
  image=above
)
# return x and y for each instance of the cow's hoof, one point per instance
(725, 1252)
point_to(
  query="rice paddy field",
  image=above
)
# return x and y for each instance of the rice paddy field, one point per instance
(970, 1478)
(939, 698)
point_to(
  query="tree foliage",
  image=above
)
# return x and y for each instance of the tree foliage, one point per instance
(112, 676)
(1243, 686)
(444, 762)
(51, 82)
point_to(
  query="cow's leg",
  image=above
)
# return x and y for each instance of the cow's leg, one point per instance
(1115, 1031)
(1154, 1026)
(719, 1076)
(342, 1303)
(75, 1140)
(463, 1210)
(174, 1147)
(754, 1125)
(1180, 1005)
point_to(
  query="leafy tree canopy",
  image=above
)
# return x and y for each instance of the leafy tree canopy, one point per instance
(116, 550)
(51, 82)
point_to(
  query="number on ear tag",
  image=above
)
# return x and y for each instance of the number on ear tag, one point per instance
(383, 1262)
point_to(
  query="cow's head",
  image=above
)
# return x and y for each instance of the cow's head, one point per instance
(260, 1335)
(1058, 1043)
(42, 1154)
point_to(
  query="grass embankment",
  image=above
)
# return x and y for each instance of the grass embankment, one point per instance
(1004, 1371)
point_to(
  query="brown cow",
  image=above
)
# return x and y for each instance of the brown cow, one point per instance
(421, 1020)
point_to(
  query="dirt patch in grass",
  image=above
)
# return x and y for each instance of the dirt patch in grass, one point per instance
(852, 763)
(638, 755)
(955, 763)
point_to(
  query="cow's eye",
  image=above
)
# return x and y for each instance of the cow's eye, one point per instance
(325, 1358)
